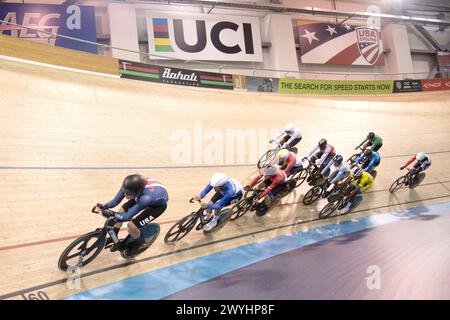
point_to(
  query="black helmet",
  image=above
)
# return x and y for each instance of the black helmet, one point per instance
(133, 185)
(322, 143)
(358, 173)
(367, 153)
(371, 135)
(337, 160)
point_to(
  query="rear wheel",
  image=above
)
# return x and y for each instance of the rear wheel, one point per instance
(300, 177)
(265, 160)
(82, 251)
(312, 195)
(398, 184)
(181, 228)
(241, 208)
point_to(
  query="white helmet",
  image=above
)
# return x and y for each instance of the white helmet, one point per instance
(421, 156)
(270, 170)
(218, 179)
(289, 128)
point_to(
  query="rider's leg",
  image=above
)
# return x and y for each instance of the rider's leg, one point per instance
(144, 218)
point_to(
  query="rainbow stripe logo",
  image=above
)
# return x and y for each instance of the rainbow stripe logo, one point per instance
(161, 35)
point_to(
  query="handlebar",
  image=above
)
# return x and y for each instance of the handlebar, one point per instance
(192, 200)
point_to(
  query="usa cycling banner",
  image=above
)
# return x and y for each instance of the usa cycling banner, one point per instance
(335, 86)
(169, 75)
(436, 84)
(328, 43)
(260, 84)
(73, 20)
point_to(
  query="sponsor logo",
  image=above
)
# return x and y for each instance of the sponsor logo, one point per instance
(205, 37)
(145, 221)
(168, 74)
(433, 85)
(368, 43)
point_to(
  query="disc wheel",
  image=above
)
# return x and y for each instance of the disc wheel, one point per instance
(82, 251)
(312, 195)
(398, 184)
(181, 228)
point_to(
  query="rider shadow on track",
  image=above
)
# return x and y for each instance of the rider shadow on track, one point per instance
(418, 212)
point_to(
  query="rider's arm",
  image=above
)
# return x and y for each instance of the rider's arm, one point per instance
(325, 154)
(294, 136)
(364, 141)
(326, 168)
(143, 202)
(279, 136)
(275, 181)
(205, 191)
(371, 164)
(337, 177)
(360, 158)
(410, 161)
(228, 193)
(114, 202)
(290, 164)
(312, 151)
(255, 180)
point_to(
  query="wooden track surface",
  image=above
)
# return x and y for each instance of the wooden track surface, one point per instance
(67, 140)
(30, 50)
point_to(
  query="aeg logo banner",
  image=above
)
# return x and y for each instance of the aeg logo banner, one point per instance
(205, 37)
(436, 84)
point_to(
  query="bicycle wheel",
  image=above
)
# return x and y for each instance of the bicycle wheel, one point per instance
(353, 158)
(266, 159)
(241, 208)
(312, 195)
(329, 208)
(398, 184)
(300, 177)
(225, 217)
(87, 248)
(261, 209)
(181, 228)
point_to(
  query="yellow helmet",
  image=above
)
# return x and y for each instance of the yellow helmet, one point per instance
(283, 154)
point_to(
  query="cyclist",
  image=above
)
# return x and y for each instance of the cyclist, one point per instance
(147, 200)
(289, 162)
(227, 190)
(358, 182)
(292, 136)
(423, 162)
(342, 171)
(370, 160)
(372, 140)
(273, 180)
(323, 156)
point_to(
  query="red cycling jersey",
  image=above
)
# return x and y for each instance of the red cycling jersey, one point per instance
(276, 179)
(290, 162)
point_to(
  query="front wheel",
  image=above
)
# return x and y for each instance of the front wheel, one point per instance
(330, 208)
(398, 184)
(181, 228)
(312, 195)
(266, 158)
(353, 158)
(300, 177)
(85, 249)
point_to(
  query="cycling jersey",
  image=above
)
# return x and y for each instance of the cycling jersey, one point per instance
(276, 179)
(293, 161)
(425, 163)
(154, 194)
(340, 173)
(365, 182)
(374, 160)
(296, 134)
(229, 190)
(376, 142)
(328, 150)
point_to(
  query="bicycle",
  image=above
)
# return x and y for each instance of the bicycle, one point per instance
(352, 159)
(185, 225)
(412, 178)
(86, 251)
(336, 200)
(245, 204)
(267, 158)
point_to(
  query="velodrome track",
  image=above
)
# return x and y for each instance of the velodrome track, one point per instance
(67, 140)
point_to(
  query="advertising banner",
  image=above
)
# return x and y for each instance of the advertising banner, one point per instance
(335, 86)
(436, 84)
(327, 43)
(73, 20)
(204, 37)
(407, 86)
(239, 82)
(146, 72)
(262, 84)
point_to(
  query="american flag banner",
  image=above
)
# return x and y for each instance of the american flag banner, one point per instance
(327, 43)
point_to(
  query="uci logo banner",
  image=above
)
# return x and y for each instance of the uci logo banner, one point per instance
(204, 37)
